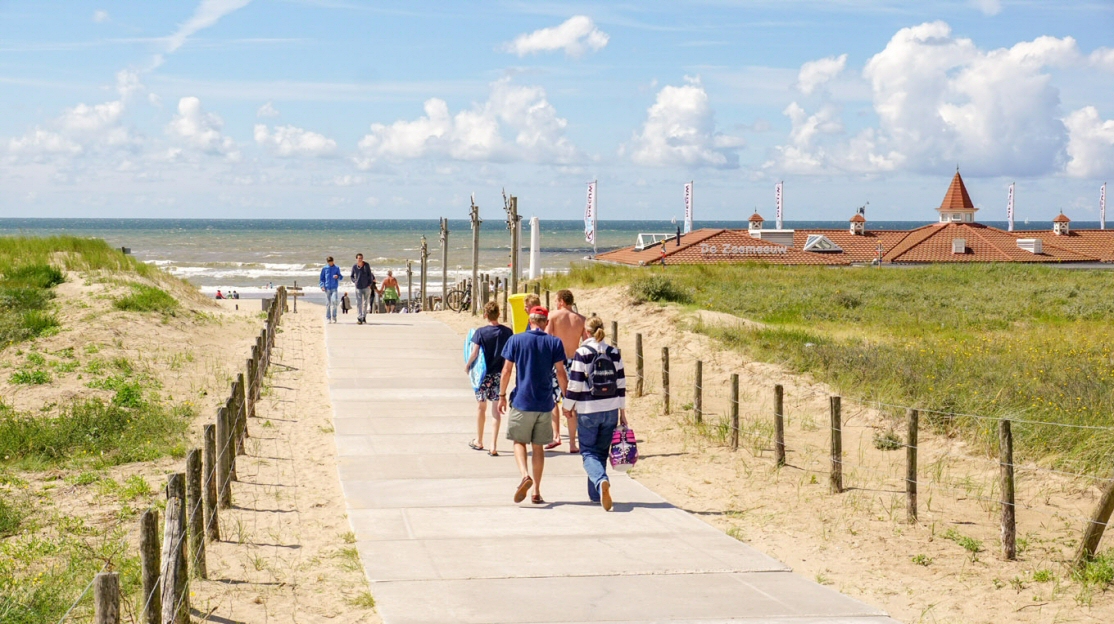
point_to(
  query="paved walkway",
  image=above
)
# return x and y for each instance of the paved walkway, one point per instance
(441, 540)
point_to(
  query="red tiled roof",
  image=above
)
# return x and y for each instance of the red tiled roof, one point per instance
(1061, 218)
(957, 198)
(755, 217)
(933, 243)
(858, 218)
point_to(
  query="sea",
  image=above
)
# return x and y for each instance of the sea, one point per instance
(254, 256)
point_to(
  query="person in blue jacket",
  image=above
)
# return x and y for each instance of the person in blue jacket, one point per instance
(330, 280)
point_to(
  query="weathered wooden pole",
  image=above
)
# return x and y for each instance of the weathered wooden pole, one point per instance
(241, 415)
(779, 425)
(230, 414)
(912, 418)
(444, 263)
(546, 298)
(195, 507)
(175, 584)
(209, 484)
(1009, 511)
(665, 378)
(224, 460)
(615, 334)
(1092, 533)
(506, 300)
(425, 272)
(734, 411)
(836, 479)
(409, 284)
(698, 392)
(106, 598)
(150, 566)
(474, 215)
(638, 365)
(514, 224)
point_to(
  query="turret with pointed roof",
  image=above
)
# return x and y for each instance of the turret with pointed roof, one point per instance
(957, 206)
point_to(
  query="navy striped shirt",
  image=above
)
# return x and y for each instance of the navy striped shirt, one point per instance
(578, 396)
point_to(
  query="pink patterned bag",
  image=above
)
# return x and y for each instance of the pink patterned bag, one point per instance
(624, 450)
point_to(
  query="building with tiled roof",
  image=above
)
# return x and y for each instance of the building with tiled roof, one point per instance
(956, 237)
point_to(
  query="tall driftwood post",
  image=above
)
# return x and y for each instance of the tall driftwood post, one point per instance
(409, 283)
(665, 378)
(912, 418)
(698, 392)
(106, 598)
(444, 238)
(474, 215)
(836, 478)
(638, 365)
(1009, 511)
(734, 411)
(506, 301)
(425, 273)
(175, 584)
(150, 564)
(209, 483)
(514, 224)
(195, 513)
(779, 425)
(1092, 533)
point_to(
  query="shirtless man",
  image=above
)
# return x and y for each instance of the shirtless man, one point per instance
(569, 327)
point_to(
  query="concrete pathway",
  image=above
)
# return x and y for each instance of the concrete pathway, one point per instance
(441, 540)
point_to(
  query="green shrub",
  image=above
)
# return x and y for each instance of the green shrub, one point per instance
(147, 299)
(38, 275)
(1098, 572)
(30, 377)
(657, 288)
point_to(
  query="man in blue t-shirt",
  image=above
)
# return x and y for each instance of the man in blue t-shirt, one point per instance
(533, 356)
(330, 280)
(490, 340)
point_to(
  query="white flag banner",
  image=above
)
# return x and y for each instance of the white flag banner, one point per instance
(688, 207)
(590, 215)
(1009, 209)
(777, 197)
(1102, 207)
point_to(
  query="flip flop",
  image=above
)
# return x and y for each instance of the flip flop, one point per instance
(493, 453)
(574, 451)
(523, 488)
(552, 445)
(537, 500)
(474, 446)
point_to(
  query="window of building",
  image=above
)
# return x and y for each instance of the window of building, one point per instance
(821, 243)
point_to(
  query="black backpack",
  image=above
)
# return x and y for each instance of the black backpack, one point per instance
(602, 376)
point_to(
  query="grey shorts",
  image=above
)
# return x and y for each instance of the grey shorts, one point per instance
(529, 427)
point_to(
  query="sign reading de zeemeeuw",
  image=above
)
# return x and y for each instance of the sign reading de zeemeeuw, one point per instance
(727, 249)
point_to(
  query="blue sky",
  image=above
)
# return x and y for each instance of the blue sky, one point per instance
(344, 108)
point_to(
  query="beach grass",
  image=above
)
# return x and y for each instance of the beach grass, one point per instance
(1029, 343)
(144, 298)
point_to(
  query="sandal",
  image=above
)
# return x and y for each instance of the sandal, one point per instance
(574, 451)
(493, 453)
(475, 446)
(523, 488)
(537, 499)
(552, 445)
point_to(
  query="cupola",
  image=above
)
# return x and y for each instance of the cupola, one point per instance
(858, 224)
(1060, 225)
(756, 222)
(957, 206)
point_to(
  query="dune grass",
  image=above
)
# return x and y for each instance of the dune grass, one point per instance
(1012, 341)
(144, 298)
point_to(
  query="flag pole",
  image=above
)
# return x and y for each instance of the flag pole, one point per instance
(595, 218)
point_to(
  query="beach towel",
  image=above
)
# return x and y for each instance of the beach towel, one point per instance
(479, 369)
(624, 449)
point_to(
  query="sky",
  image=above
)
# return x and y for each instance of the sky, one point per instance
(324, 109)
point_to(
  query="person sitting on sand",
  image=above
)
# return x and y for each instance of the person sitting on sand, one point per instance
(569, 327)
(219, 295)
(532, 356)
(596, 397)
(491, 338)
(389, 292)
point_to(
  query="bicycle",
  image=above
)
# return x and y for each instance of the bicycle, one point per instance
(459, 299)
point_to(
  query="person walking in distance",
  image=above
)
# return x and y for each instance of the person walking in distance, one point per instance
(389, 292)
(597, 398)
(330, 281)
(491, 338)
(532, 357)
(363, 279)
(567, 325)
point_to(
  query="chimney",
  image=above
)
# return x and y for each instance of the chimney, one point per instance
(1060, 225)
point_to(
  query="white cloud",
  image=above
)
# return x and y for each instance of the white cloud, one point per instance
(816, 73)
(680, 129)
(200, 130)
(100, 16)
(1091, 146)
(477, 133)
(1103, 58)
(267, 110)
(39, 142)
(346, 180)
(988, 7)
(575, 36)
(208, 13)
(290, 141)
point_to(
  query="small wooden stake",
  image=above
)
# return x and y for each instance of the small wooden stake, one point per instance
(665, 378)
(912, 418)
(638, 365)
(1009, 517)
(106, 598)
(149, 563)
(734, 411)
(779, 425)
(195, 508)
(1092, 534)
(698, 392)
(836, 480)
(209, 484)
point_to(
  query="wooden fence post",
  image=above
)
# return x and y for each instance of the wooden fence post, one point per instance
(230, 415)
(698, 392)
(106, 598)
(224, 460)
(241, 414)
(196, 513)
(912, 417)
(638, 362)
(665, 378)
(836, 480)
(546, 299)
(1092, 534)
(175, 590)
(1009, 517)
(779, 425)
(151, 567)
(615, 334)
(209, 483)
(734, 411)
(506, 299)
